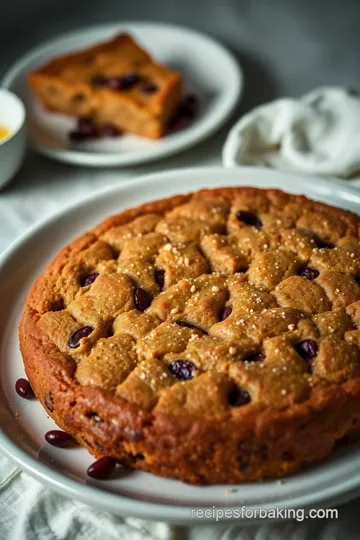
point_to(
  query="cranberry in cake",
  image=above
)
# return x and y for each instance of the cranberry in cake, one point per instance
(211, 337)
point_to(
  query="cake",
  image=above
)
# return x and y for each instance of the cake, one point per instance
(211, 337)
(115, 83)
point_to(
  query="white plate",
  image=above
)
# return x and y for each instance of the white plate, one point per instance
(142, 494)
(210, 71)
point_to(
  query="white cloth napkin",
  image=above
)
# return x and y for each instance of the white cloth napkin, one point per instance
(318, 133)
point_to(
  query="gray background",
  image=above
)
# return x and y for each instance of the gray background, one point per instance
(287, 46)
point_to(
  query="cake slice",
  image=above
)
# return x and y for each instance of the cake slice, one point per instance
(114, 82)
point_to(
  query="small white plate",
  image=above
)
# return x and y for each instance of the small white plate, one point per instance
(210, 71)
(141, 494)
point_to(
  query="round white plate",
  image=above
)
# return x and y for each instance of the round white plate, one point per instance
(210, 71)
(141, 494)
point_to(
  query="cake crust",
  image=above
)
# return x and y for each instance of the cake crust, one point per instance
(193, 429)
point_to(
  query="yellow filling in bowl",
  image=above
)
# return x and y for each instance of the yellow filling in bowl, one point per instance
(4, 132)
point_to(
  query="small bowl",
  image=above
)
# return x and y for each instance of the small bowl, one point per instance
(12, 147)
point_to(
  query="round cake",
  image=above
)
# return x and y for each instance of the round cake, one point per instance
(211, 337)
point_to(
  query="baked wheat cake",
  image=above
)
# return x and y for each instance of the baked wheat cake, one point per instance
(112, 83)
(211, 337)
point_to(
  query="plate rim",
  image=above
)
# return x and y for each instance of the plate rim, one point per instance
(114, 159)
(112, 501)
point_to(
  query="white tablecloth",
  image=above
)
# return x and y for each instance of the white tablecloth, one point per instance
(42, 188)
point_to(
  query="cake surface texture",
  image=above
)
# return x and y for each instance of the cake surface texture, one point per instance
(113, 83)
(211, 337)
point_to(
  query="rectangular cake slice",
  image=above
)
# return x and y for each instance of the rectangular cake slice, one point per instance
(115, 82)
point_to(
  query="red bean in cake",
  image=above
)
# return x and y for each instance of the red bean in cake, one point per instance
(211, 337)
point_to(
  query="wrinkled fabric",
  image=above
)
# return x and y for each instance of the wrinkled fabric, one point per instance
(318, 133)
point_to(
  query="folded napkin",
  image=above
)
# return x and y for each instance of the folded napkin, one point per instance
(318, 133)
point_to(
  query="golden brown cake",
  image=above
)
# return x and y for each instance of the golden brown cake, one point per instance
(211, 337)
(113, 83)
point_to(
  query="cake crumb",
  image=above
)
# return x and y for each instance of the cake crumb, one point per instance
(291, 327)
